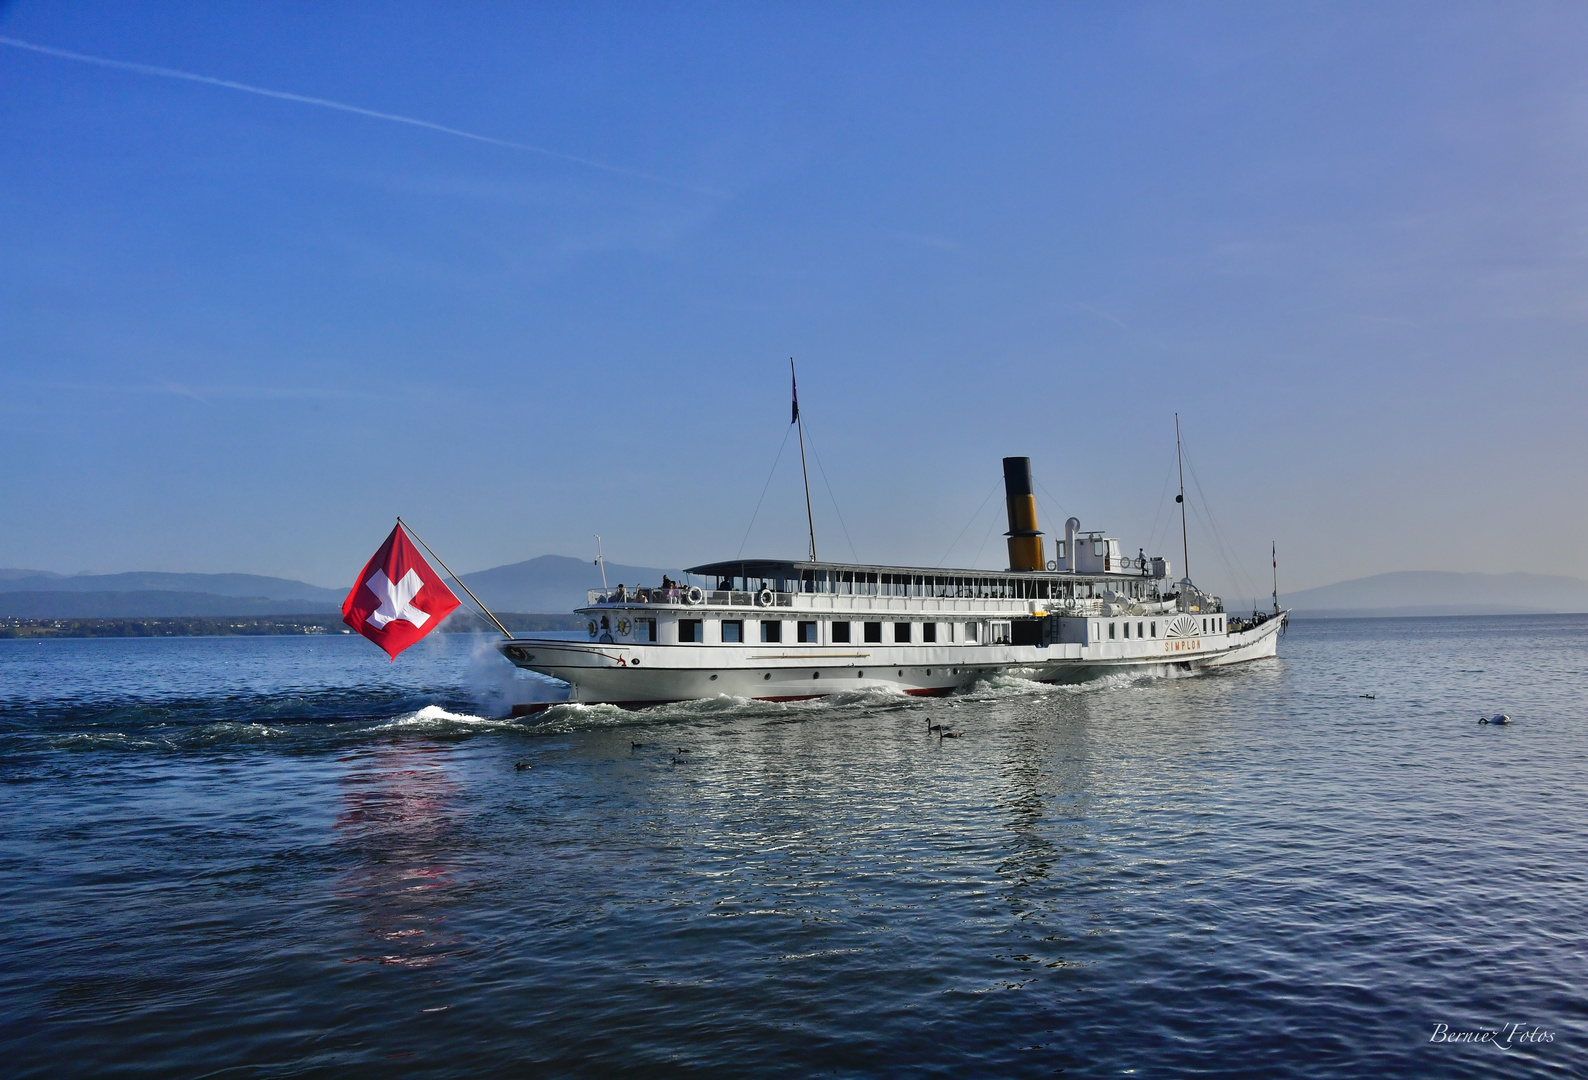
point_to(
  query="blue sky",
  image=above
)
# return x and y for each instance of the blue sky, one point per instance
(1347, 243)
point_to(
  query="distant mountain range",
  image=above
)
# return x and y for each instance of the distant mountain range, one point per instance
(552, 583)
(147, 604)
(38, 594)
(557, 584)
(253, 585)
(1439, 592)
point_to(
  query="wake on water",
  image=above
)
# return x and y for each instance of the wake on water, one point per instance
(575, 716)
(352, 716)
(434, 720)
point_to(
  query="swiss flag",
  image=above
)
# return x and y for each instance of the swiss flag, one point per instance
(397, 599)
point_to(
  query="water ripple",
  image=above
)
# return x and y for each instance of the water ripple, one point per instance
(273, 856)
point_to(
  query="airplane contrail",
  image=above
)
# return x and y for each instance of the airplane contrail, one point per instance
(325, 103)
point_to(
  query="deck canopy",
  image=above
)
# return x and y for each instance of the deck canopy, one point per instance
(862, 579)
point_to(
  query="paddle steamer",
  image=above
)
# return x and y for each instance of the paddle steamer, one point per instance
(783, 630)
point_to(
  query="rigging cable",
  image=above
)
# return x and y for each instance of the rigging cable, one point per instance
(815, 454)
(986, 538)
(1163, 498)
(1063, 513)
(974, 515)
(1221, 545)
(764, 487)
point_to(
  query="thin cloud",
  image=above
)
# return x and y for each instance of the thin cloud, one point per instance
(183, 391)
(340, 106)
(207, 395)
(1101, 314)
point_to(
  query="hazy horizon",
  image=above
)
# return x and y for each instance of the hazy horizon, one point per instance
(628, 572)
(275, 275)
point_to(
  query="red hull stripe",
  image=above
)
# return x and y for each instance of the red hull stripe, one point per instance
(535, 707)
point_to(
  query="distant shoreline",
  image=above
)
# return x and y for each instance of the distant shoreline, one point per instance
(1320, 614)
(257, 625)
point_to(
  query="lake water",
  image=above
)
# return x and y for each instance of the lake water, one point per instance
(285, 856)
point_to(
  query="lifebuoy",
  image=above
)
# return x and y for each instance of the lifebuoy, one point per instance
(592, 629)
(1052, 565)
(695, 595)
(765, 598)
(623, 626)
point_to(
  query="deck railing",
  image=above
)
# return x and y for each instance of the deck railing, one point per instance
(679, 595)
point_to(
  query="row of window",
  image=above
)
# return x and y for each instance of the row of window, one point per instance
(1213, 625)
(838, 633)
(1151, 630)
(871, 633)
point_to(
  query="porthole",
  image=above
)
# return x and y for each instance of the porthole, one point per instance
(860, 674)
(768, 675)
(816, 674)
(634, 663)
(713, 678)
(901, 674)
(928, 673)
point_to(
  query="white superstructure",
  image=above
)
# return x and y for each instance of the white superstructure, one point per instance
(785, 631)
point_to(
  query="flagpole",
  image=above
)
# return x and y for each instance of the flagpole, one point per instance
(809, 519)
(1275, 552)
(1179, 462)
(455, 577)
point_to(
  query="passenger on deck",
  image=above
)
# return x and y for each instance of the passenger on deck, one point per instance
(621, 594)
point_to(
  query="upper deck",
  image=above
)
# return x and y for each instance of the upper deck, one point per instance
(789, 584)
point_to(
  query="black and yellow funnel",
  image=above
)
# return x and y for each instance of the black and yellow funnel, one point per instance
(1025, 542)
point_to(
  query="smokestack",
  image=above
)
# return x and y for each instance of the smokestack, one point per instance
(1025, 542)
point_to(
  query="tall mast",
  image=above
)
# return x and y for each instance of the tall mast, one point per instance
(1275, 551)
(1185, 548)
(809, 520)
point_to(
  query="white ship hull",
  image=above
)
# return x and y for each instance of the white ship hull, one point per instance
(634, 675)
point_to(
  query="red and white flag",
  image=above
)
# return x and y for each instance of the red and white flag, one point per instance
(397, 599)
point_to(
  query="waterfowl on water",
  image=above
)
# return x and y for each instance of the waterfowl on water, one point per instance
(1497, 718)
